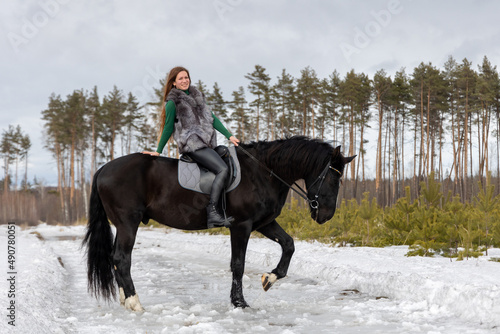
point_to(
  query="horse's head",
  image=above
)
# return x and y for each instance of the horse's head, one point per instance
(322, 190)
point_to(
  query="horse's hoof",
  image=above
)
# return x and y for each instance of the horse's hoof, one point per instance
(240, 304)
(132, 303)
(268, 279)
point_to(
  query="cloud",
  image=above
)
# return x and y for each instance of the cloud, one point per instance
(131, 44)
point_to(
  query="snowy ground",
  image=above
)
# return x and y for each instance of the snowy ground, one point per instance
(183, 281)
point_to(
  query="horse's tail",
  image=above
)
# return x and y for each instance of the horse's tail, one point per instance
(99, 240)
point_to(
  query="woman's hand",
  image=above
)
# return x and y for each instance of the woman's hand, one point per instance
(234, 140)
(151, 153)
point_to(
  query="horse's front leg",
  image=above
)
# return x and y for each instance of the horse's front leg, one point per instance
(274, 232)
(239, 242)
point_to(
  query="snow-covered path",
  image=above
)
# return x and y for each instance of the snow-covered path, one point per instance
(183, 281)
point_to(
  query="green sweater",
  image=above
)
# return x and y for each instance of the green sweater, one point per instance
(169, 125)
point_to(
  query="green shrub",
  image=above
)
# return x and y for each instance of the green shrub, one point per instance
(433, 224)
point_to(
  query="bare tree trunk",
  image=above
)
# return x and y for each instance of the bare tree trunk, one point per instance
(304, 117)
(351, 141)
(112, 144)
(273, 131)
(395, 167)
(415, 183)
(386, 180)
(312, 117)
(420, 167)
(361, 155)
(486, 143)
(72, 173)
(65, 195)
(6, 179)
(344, 145)
(258, 119)
(378, 177)
(83, 193)
(402, 165)
(428, 134)
(498, 151)
(440, 168)
(17, 168)
(60, 174)
(93, 145)
(479, 147)
(466, 143)
(471, 161)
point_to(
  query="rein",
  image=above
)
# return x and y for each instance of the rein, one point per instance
(301, 192)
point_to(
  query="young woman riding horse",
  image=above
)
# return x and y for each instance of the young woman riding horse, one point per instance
(139, 187)
(186, 115)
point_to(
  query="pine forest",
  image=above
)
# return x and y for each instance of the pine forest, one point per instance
(427, 171)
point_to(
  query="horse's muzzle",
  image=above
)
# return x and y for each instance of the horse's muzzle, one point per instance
(321, 217)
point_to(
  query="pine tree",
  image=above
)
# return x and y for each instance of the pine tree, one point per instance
(400, 98)
(466, 81)
(451, 94)
(329, 105)
(74, 134)
(217, 104)
(487, 203)
(132, 118)
(243, 130)
(307, 93)
(284, 96)
(382, 92)
(488, 90)
(25, 145)
(93, 106)
(17, 139)
(56, 141)
(202, 88)
(355, 93)
(8, 151)
(156, 107)
(259, 87)
(113, 111)
(368, 211)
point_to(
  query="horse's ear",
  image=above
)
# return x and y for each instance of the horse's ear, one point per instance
(349, 159)
(336, 151)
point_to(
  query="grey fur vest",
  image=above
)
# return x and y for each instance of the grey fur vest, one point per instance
(193, 127)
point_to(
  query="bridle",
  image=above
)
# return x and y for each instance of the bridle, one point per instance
(313, 203)
(321, 178)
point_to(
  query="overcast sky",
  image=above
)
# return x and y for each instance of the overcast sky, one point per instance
(57, 46)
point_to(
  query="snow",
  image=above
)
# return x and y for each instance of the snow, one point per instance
(183, 282)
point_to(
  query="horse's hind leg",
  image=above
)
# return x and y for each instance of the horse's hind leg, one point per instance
(274, 232)
(122, 259)
(118, 277)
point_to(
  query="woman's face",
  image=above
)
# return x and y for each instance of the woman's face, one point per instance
(182, 81)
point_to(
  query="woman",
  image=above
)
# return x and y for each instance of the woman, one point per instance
(187, 116)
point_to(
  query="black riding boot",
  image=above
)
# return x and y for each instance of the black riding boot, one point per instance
(208, 158)
(215, 219)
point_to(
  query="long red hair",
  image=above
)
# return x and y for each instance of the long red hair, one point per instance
(172, 75)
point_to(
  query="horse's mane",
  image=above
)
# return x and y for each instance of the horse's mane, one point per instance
(305, 153)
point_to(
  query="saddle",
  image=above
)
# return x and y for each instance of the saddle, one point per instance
(193, 177)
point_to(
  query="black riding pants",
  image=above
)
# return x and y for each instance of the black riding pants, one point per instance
(208, 158)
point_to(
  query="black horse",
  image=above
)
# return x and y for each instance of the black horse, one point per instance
(138, 187)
